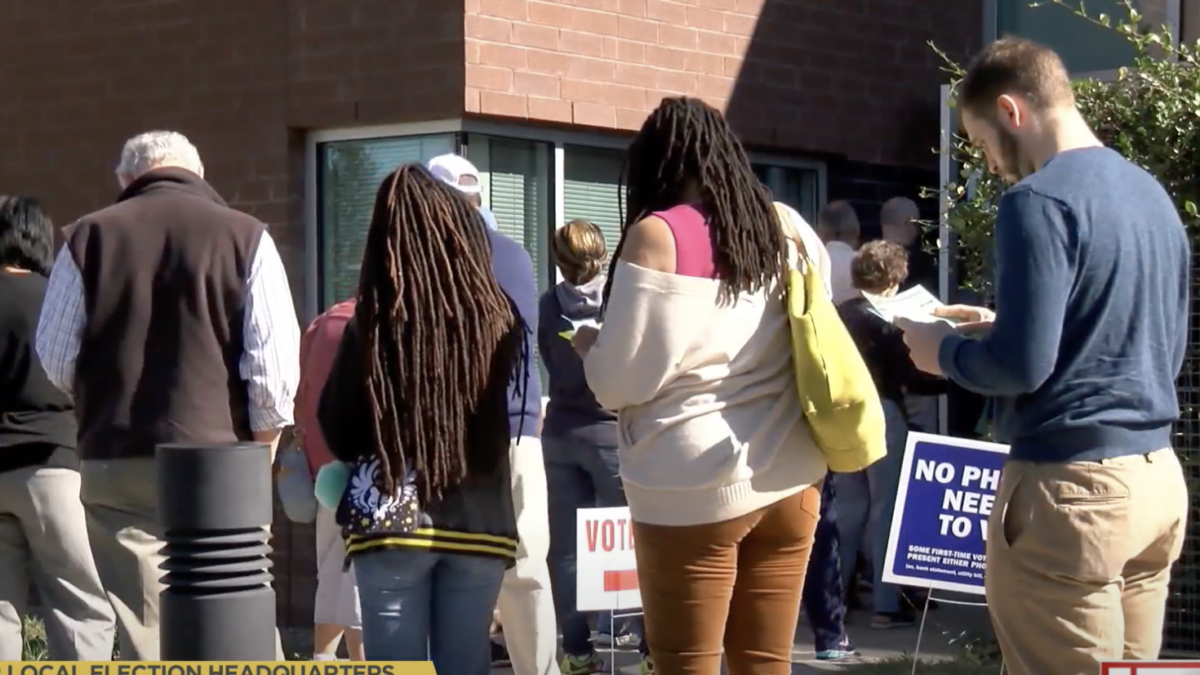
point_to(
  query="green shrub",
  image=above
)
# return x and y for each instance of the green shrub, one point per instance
(1150, 113)
(35, 640)
(35, 647)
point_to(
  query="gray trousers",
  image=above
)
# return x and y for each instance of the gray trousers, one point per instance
(43, 536)
(121, 500)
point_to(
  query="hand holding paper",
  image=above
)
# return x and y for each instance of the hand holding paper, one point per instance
(576, 325)
(915, 304)
(585, 336)
(971, 321)
(924, 341)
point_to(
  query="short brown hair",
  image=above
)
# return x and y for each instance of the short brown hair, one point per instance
(579, 251)
(1017, 66)
(878, 266)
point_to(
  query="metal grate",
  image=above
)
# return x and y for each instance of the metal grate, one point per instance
(1182, 627)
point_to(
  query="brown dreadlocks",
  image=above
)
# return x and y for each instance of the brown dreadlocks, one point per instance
(683, 140)
(440, 339)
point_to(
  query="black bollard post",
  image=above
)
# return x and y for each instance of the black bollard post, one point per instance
(214, 506)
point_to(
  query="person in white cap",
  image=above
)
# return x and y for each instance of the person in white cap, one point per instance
(526, 601)
(462, 174)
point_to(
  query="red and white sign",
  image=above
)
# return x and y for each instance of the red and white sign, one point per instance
(1150, 668)
(606, 576)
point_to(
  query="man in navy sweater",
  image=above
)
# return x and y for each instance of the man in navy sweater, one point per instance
(1091, 279)
(526, 602)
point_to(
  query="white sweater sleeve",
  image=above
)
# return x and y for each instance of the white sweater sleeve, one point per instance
(649, 324)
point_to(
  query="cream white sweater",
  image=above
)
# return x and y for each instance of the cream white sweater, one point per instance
(710, 424)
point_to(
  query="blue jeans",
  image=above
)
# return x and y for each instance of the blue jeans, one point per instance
(578, 476)
(885, 483)
(853, 496)
(866, 502)
(429, 606)
(822, 598)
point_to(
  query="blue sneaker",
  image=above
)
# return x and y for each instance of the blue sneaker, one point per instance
(844, 649)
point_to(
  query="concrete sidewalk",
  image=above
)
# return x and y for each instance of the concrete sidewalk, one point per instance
(941, 640)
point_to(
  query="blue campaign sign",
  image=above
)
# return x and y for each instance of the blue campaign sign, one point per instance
(939, 529)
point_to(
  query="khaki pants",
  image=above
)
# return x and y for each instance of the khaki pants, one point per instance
(1079, 560)
(526, 602)
(336, 602)
(42, 534)
(120, 498)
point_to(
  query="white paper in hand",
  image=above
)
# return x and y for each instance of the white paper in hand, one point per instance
(576, 325)
(915, 304)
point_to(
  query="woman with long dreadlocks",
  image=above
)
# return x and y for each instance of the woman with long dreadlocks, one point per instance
(720, 469)
(418, 408)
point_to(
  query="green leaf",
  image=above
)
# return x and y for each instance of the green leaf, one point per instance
(1150, 113)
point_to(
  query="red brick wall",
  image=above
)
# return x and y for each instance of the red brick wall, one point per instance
(246, 80)
(243, 79)
(852, 77)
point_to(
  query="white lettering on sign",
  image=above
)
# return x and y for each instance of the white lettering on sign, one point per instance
(985, 479)
(939, 527)
(928, 470)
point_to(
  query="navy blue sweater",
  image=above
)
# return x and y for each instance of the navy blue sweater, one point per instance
(1092, 267)
(514, 272)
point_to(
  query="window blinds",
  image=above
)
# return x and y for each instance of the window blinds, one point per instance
(351, 172)
(591, 189)
(518, 179)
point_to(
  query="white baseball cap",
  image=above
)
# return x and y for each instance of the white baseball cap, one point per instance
(452, 169)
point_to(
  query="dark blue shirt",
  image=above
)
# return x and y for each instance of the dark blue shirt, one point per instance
(572, 412)
(1091, 279)
(514, 272)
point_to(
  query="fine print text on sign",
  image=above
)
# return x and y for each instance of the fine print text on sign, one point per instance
(939, 528)
(606, 577)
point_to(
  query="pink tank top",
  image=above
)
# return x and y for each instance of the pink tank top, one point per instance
(693, 246)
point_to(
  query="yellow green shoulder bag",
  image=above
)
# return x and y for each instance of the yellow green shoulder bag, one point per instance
(836, 391)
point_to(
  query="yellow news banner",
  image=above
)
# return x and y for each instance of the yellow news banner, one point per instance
(216, 668)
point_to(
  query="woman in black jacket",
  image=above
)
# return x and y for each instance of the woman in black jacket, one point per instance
(42, 524)
(866, 499)
(579, 439)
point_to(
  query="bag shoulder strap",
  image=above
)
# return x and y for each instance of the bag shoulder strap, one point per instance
(789, 228)
(791, 232)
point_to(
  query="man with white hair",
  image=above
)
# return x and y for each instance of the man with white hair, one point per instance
(169, 317)
(838, 227)
(899, 219)
(526, 602)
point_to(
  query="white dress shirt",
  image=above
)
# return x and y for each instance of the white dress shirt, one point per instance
(270, 363)
(840, 256)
